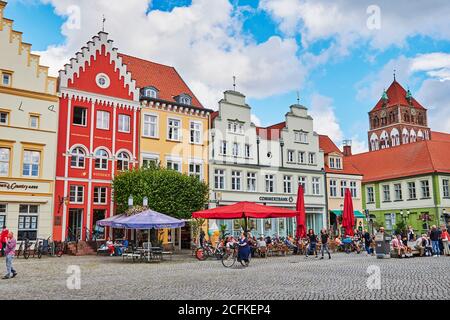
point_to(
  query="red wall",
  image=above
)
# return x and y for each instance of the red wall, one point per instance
(102, 138)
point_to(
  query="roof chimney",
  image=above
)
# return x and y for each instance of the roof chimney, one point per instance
(347, 147)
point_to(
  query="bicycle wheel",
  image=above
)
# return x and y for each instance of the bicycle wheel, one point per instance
(228, 260)
(39, 253)
(26, 254)
(201, 254)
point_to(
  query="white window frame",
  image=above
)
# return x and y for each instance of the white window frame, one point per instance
(291, 156)
(37, 118)
(149, 158)
(425, 189)
(354, 189)
(195, 173)
(236, 149)
(102, 193)
(248, 151)
(29, 172)
(176, 130)
(287, 184)
(6, 118)
(223, 147)
(312, 158)
(315, 186)
(270, 183)
(412, 190)
(252, 182)
(78, 192)
(102, 159)
(84, 118)
(302, 157)
(398, 192)
(236, 180)
(370, 195)
(343, 186)
(5, 161)
(124, 124)
(333, 188)
(124, 160)
(386, 193)
(446, 188)
(147, 125)
(8, 75)
(303, 181)
(79, 156)
(195, 134)
(219, 179)
(102, 119)
(171, 161)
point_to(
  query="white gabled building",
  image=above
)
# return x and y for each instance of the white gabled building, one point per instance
(265, 165)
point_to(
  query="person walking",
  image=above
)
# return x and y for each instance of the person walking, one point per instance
(10, 251)
(367, 241)
(445, 237)
(324, 239)
(4, 239)
(244, 249)
(312, 243)
(435, 236)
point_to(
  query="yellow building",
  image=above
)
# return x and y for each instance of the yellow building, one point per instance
(341, 175)
(28, 126)
(174, 124)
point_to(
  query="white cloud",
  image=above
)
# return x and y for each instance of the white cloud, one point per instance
(346, 21)
(204, 41)
(435, 95)
(325, 122)
(256, 120)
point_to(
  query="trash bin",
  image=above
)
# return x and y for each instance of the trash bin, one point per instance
(383, 245)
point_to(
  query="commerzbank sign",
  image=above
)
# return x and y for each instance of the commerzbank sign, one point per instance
(13, 186)
(277, 199)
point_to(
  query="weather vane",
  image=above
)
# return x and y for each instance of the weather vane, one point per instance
(394, 73)
(234, 83)
(298, 97)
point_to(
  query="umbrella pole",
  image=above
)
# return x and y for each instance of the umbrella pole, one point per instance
(148, 243)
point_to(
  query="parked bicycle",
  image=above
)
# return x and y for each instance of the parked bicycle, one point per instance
(203, 253)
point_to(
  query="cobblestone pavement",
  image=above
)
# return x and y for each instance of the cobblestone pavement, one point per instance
(291, 277)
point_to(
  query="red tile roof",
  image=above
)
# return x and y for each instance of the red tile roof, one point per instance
(407, 160)
(164, 78)
(272, 132)
(440, 136)
(328, 146)
(397, 96)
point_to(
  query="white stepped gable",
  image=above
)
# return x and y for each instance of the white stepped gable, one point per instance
(93, 48)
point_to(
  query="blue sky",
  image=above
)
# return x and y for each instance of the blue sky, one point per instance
(341, 72)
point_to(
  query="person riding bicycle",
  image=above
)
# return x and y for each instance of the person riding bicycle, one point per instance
(244, 249)
(202, 239)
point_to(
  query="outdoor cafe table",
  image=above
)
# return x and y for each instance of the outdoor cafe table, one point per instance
(149, 253)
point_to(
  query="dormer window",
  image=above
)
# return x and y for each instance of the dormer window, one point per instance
(236, 127)
(151, 92)
(335, 163)
(184, 99)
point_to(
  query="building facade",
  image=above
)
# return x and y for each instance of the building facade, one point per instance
(341, 175)
(265, 165)
(28, 131)
(174, 127)
(98, 136)
(409, 183)
(397, 119)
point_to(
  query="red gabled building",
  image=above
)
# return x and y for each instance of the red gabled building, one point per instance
(98, 136)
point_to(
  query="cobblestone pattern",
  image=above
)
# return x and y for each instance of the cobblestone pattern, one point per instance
(291, 277)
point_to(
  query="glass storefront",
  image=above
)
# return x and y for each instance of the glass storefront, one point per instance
(272, 227)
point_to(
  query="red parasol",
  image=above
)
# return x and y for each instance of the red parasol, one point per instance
(348, 216)
(301, 214)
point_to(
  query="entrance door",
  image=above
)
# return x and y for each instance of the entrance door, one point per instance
(98, 231)
(75, 224)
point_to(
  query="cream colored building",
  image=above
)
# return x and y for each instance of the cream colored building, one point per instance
(28, 126)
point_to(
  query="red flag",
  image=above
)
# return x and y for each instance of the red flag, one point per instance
(301, 214)
(348, 216)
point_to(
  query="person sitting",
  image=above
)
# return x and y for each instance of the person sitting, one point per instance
(288, 242)
(338, 243)
(110, 245)
(420, 244)
(261, 247)
(347, 244)
(398, 247)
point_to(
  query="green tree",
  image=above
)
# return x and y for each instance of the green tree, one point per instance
(168, 191)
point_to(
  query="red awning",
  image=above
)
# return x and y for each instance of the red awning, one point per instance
(245, 210)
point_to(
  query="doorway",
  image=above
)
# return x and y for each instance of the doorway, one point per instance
(98, 231)
(75, 224)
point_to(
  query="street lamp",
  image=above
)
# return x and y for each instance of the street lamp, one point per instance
(145, 202)
(130, 201)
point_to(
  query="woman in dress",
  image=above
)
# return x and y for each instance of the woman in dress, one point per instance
(244, 249)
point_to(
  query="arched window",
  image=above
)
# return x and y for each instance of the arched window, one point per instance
(123, 161)
(420, 135)
(395, 137)
(77, 158)
(151, 93)
(412, 136)
(101, 159)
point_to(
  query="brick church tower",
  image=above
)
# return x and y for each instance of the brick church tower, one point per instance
(397, 119)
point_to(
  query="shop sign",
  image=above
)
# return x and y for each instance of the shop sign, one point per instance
(13, 186)
(277, 199)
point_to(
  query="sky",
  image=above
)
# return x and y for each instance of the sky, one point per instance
(336, 56)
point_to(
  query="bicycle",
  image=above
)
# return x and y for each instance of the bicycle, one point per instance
(203, 253)
(26, 249)
(231, 255)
